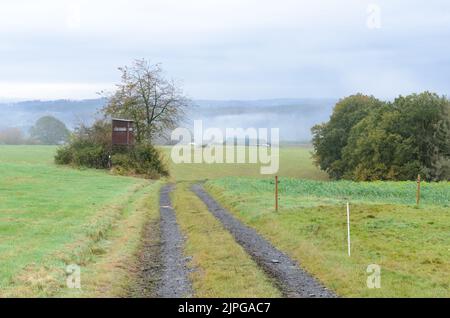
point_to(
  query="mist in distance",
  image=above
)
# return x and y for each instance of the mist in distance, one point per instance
(294, 117)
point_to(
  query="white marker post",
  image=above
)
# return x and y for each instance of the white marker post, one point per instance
(348, 227)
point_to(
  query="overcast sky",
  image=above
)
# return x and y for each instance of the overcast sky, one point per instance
(227, 49)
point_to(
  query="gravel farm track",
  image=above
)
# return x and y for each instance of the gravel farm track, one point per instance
(174, 281)
(163, 270)
(172, 272)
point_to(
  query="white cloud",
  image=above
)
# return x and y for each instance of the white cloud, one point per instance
(50, 91)
(247, 48)
(163, 17)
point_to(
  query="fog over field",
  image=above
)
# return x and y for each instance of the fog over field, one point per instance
(294, 117)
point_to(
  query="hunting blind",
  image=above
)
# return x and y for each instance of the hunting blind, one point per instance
(122, 132)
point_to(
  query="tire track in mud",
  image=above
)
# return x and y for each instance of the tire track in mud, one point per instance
(174, 282)
(290, 278)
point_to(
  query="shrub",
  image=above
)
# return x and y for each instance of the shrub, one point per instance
(92, 156)
(142, 159)
(64, 155)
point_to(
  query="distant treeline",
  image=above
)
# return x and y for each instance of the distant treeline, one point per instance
(14, 136)
(47, 130)
(369, 139)
(71, 112)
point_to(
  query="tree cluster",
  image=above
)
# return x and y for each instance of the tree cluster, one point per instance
(90, 146)
(48, 130)
(369, 139)
(153, 102)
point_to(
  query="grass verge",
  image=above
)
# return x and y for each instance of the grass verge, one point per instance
(221, 268)
(117, 272)
(52, 216)
(107, 252)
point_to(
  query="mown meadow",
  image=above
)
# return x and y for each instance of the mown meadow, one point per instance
(52, 216)
(294, 161)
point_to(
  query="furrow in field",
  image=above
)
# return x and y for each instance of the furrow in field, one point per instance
(292, 280)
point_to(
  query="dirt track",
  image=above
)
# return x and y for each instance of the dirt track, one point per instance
(174, 280)
(291, 279)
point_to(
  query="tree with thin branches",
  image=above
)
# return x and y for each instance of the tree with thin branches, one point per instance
(144, 95)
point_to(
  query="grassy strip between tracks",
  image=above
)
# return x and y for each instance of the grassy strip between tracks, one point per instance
(220, 267)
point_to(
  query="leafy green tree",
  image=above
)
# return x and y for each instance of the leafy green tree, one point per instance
(392, 141)
(330, 138)
(424, 121)
(50, 131)
(376, 151)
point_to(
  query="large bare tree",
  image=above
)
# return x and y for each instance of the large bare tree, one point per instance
(146, 96)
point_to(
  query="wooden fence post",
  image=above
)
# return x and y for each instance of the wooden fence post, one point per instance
(418, 190)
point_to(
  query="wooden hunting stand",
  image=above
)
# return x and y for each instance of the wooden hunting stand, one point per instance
(122, 132)
(122, 136)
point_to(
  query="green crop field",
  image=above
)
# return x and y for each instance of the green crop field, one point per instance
(410, 244)
(51, 216)
(300, 192)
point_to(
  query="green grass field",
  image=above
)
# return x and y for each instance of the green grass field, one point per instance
(295, 162)
(410, 244)
(51, 216)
